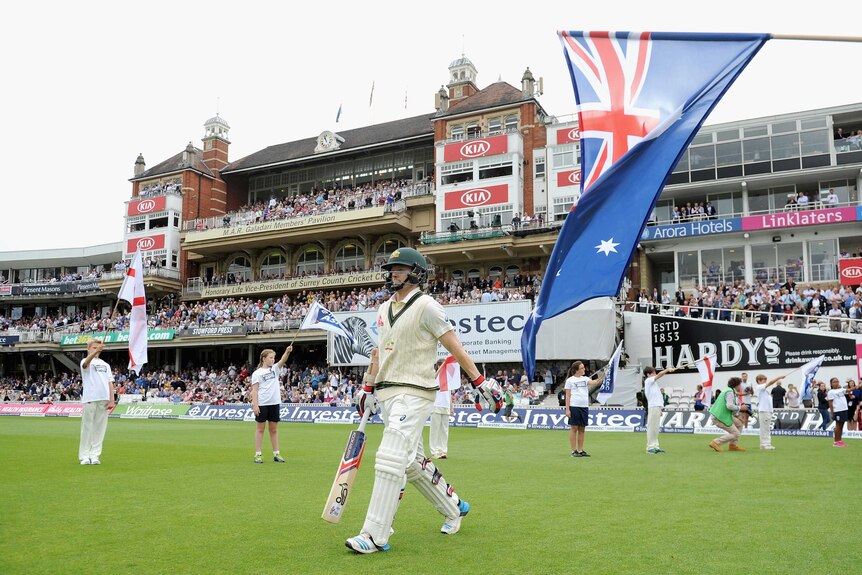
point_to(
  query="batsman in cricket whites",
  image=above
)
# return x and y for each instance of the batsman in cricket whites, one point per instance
(410, 324)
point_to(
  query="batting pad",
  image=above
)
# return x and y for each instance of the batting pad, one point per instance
(389, 467)
(425, 477)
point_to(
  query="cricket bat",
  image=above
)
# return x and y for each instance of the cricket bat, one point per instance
(343, 484)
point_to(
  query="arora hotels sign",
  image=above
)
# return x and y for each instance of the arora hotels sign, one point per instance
(773, 221)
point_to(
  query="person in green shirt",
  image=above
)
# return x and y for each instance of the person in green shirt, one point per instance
(724, 412)
(509, 401)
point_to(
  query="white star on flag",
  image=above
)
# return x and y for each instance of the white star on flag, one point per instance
(607, 246)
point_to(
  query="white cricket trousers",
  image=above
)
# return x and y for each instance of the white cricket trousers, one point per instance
(400, 459)
(438, 435)
(765, 418)
(652, 428)
(94, 422)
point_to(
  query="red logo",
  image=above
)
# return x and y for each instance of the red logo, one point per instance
(568, 178)
(568, 136)
(853, 272)
(573, 135)
(145, 244)
(575, 178)
(475, 149)
(475, 197)
(146, 206)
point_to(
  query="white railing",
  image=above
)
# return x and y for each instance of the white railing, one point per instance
(148, 271)
(813, 205)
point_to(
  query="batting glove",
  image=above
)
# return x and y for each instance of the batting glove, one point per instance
(367, 401)
(490, 392)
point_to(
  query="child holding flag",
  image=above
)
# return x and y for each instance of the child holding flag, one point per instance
(838, 409)
(655, 401)
(764, 408)
(724, 416)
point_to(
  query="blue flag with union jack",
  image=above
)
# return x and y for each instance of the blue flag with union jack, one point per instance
(641, 98)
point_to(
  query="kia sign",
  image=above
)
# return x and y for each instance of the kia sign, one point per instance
(147, 206)
(476, 148)
(476, 197)
(568, 178)
(568, 135)
(850, 270)
(145, 244)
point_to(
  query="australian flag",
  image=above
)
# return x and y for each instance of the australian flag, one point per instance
(318, 317)
(641, 98)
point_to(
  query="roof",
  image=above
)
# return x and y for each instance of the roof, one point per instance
(175, 163)
(356, 138)
(497, 94)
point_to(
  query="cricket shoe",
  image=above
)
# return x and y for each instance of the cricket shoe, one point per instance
(95, 461)
(734, 447)
(258, 459)
(85, 461)
(767, 447)
(363, 543)
(715, 446)
(839, 444)
(584, 454)
(278, 458)
(653, 451)
(451, 526)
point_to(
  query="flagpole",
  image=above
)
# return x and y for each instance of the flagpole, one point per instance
(816, 38)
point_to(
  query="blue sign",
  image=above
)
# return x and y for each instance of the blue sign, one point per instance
(695, 228)
(9, 339)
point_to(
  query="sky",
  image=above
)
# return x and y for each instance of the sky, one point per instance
(87, 86)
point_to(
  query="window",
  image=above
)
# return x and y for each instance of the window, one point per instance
(495, 272)
(386, 248)
(473, 130)
(350, 257)
(663, 210)
(823, 258)
(756, 150)
(174, 259)
(754, 132)
(240, 268)
(777, 262)
(702, 139)
(495, 126)
(456, 172)
(564, 156)
(729, 154)
(511, 123)
(702, 157)
(784, 127)
(682, 165)
(816, 142)
(786, 146)
(457, 275)
(458, 132)
(311, 261)
(474, 274)
(495, 166)
(273, 266)
(726, 203)
(176, 221)
(727, 135)
(539, 170)
(156, 223)
(686, 268)
(512, 271)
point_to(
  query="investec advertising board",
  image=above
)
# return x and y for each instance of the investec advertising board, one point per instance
(489, 332)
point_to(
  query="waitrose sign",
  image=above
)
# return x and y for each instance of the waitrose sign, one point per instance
(116, 337)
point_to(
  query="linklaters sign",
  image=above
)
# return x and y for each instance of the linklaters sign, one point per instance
(116, 337)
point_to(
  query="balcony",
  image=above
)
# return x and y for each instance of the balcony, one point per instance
(197, 289)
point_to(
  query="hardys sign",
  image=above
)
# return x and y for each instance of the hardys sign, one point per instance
(678, 341)
(488, 331)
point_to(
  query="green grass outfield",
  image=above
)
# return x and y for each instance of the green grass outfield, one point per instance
(184, 497)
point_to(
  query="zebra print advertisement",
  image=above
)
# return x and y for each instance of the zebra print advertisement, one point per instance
(489, 332)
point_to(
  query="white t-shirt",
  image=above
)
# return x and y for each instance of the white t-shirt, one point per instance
(653, 393)
(764, 397)
(97, 378)
(580, 392)
(268, 392)
(839, 400)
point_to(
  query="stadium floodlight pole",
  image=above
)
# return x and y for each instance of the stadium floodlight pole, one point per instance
(816, 38)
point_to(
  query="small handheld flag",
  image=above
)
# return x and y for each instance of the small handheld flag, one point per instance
(607, 388)
(706, 368)
(132, 291)
(338, 115)
(809, 370)
(318, 317)
(449, 375)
